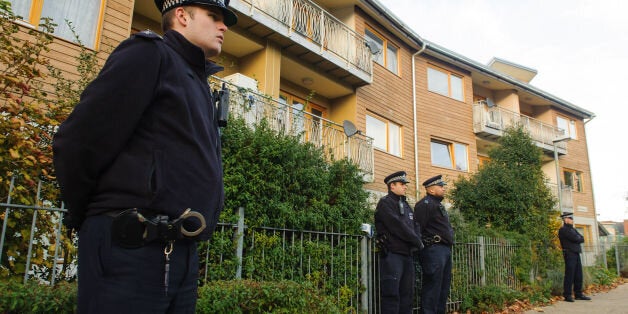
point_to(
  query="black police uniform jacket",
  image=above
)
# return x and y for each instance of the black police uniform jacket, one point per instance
(570, 239)
(431, 215)
(144, 135)
(396, 226)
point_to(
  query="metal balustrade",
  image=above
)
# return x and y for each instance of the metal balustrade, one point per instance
(494, 120)
(291, 120)
(327, 35)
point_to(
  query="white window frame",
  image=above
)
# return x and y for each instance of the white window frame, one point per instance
(454, 83)
(455, 156)
(388, 136)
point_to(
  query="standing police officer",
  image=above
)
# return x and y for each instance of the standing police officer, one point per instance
(140, 148)
(570, 241)
(397, 238)
(438, 238)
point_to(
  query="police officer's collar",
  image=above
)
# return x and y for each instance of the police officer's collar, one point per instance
(435, 197)
(191, 53)
(395, 196)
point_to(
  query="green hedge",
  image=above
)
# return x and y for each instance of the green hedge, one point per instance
(237, 296)
(35, 298)
(245, 296)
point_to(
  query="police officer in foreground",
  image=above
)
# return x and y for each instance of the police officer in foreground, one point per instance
(397, 238)
(438, 238)
(139, 164)
(570, 241)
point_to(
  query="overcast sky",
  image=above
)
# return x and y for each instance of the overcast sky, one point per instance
(579, 49)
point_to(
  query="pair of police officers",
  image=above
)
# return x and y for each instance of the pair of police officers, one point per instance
(401, 232)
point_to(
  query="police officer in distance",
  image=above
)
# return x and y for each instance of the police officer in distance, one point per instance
(140, 148)
(570, 241)
(397, 237)
(438, 238)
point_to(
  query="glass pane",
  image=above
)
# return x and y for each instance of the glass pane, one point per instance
(377, 130)
(391, 59)
(562, 124)
(83, 14)
(379, 44)
(456, 88)
(298, 123)
(394, 139)
(568, 177)
(437, 82)
(462, 162)
(441, 156)
(21, 8)
(572, 129)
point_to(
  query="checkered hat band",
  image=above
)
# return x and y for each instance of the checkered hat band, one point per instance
(398, 178)
(170, 3)
(437, 182)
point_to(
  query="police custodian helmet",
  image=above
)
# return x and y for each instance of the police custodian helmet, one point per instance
(230, 18)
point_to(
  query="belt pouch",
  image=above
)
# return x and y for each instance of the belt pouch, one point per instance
(127, 231)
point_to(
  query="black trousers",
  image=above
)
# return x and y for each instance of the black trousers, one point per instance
(112, 279)
(396, 273)
(436, 268)
(573, 274)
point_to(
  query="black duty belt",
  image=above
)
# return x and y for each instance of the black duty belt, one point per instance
(133, 228)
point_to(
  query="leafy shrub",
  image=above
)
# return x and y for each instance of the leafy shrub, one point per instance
(36, 298)
(246, 296)
(601, 276)
(488, 299)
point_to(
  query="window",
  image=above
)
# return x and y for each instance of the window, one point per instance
(573, 179)
(386, 135)
(85, 16)
(450, 155)
(569, 126)
(445, 83)
(389, 54)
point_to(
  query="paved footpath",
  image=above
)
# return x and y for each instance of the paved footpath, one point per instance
(614, 301)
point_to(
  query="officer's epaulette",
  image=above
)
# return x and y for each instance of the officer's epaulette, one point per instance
(148, 34)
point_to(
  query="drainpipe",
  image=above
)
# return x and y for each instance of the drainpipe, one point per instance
(595, 221)
(416, 136)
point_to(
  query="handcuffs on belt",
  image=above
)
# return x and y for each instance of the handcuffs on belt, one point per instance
(131, 229)
(427, 241)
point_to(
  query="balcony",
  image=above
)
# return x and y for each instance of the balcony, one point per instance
(325, 134)
(490, 123)
(321, 40)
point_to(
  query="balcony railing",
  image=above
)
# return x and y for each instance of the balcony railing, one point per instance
(292, 120)
(494, 120)
(325, 34)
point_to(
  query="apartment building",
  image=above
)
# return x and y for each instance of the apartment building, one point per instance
(354, 79)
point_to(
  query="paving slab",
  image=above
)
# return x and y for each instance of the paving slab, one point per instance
(614, 301)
